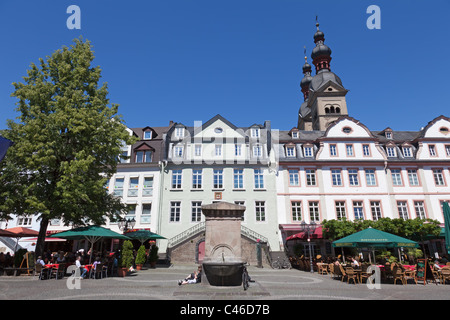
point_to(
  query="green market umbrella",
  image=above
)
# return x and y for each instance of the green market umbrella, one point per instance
(374, 238)
(446, 210)
(143, 235)
(89, 233)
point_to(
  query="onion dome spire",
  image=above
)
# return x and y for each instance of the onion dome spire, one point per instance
(304, 84)
(321, 54)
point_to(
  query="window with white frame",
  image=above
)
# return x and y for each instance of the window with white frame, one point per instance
(333, 150)
(396, 177)
(336, 177)
(402, 208)
(366, 150)
(370, 177)
(133, 187)
(118, 187)
(432, 150)
(124, 157)
(237, 150)
(260, 210)
(178, 151)
(419, 207)
(391, 151)
(257, 151)
(179, 132)
(413, 177)
(259, 179)
(290, 151)
(375, 208)
(24, 221)
(314, 214)
(310, 177)
(255, 132)
(241, 203)
(147, 135)
(146, 213)
(407, 153)
(196, 211)
(218, 178)
(218, 150)
(198, 150)
(353, 177)
(238, 178)
(447, 150)
(131, 214)
(197, 178)
(143, 156)
(388, 135)
(294, 179)
(349, 149)
(438, 177)
(358, 210)
(296, 210)
(175, 211)
(308, 151)
(340, 210)
(176, 178)
(148, 187)
(295, 134)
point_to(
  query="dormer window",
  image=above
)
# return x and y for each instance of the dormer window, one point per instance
(308, 150)
(255, 133)
(147, 135)
(391, 151)
(290, 151)
(295, 134)
(388, 135)
(407, 153)
(143, 156)
(179, 132)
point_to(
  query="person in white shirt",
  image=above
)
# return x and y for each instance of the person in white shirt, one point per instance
(79, 266)
(40, 261)
(355, 263)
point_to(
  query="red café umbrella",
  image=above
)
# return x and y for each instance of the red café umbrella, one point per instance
(21, 232)
(4, 233)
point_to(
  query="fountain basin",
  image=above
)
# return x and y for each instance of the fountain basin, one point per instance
(219, 273)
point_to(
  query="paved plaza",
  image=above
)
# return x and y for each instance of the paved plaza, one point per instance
(161, 284)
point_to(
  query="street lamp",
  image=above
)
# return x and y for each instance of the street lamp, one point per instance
(309, 230)
(126, 224)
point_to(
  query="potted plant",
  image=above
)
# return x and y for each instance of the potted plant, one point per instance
(153, 255)
(126, 259)
(140, 257)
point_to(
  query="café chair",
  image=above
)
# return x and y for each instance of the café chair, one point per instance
(58, 271)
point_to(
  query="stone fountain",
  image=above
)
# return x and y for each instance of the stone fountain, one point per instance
(223, 264)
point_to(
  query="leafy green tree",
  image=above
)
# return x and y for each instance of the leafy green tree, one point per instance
(67, 142)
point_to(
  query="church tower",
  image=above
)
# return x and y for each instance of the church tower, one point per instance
(324, 94)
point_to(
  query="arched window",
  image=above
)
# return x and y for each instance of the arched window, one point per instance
(327, 110)
(332, 109)
(338, 110)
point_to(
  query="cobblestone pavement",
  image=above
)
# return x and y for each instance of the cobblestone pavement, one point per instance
(161, 284)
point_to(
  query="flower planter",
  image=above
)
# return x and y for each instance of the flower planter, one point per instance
(122, 272)
(139, 267)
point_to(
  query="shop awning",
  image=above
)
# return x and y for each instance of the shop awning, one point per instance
(318, 234)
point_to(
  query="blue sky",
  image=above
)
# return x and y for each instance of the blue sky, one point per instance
(187, 60)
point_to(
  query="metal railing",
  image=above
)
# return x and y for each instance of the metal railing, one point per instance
(199, 227)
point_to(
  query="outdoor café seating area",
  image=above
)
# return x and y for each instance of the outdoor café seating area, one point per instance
(349, 272)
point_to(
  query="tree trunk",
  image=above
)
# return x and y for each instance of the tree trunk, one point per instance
(41, 237)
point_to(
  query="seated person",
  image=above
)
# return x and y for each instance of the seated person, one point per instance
(195, 277)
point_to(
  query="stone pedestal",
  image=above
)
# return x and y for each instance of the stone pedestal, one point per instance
(222, 264)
